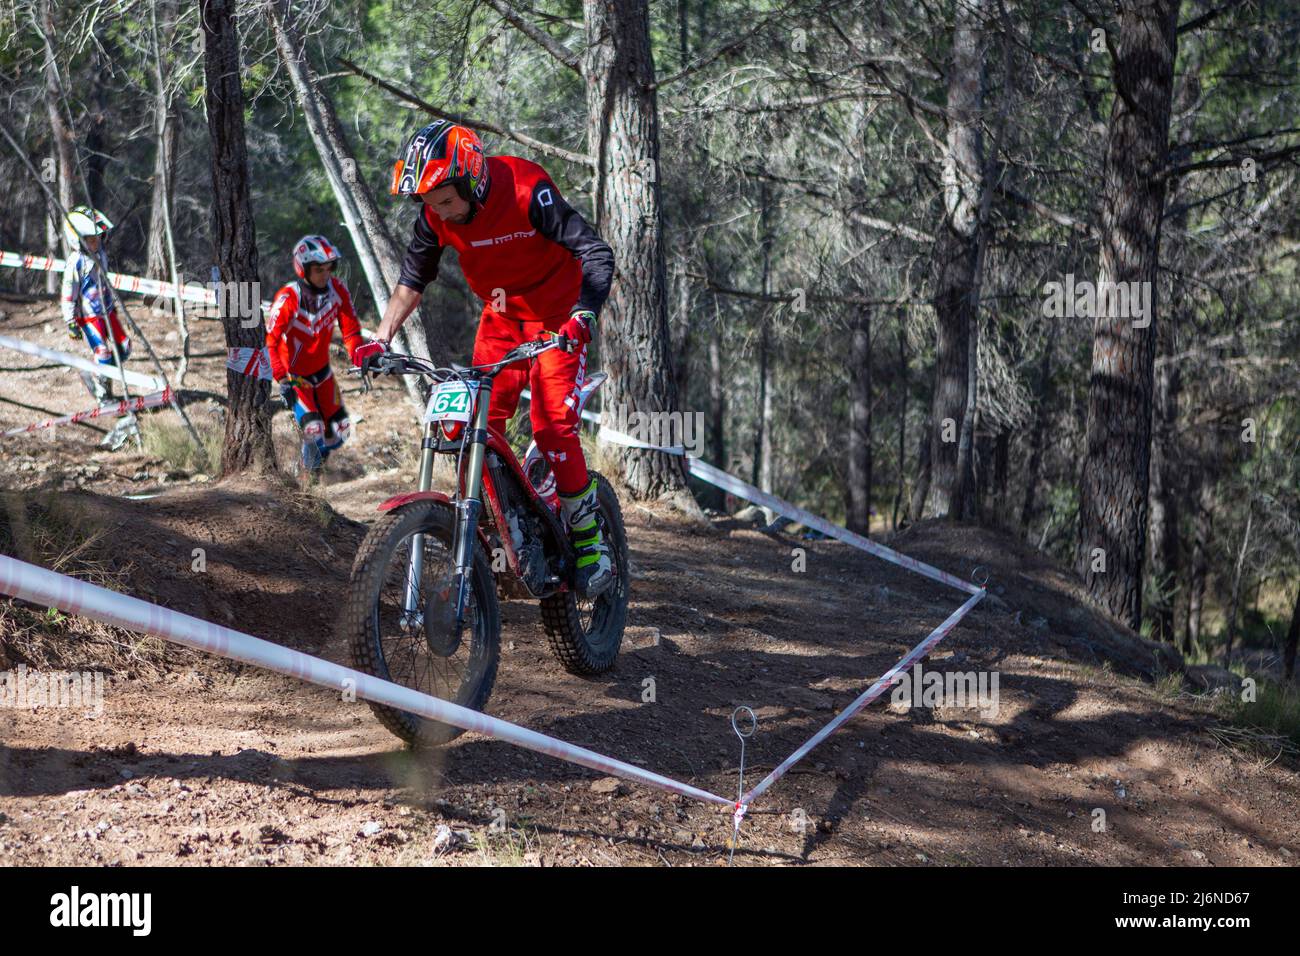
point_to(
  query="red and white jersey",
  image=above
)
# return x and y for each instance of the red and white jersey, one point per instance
(301, 325)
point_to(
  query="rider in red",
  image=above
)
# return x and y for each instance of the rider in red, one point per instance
(540, 269)
(298, 334)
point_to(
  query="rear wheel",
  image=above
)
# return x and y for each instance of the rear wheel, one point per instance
(413, 643)
(586, 635)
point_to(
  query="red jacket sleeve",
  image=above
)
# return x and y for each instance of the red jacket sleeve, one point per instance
(283, 308)
(348, 323)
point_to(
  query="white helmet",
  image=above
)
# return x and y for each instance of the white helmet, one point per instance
(84, 221)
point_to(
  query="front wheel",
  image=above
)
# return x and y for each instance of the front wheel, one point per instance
(586, 635)
(399, 618)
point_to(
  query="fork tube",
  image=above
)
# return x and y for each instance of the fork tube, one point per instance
(415, 572)
(471, 501)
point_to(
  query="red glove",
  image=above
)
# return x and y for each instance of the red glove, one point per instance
(367, 351)
(578, 329)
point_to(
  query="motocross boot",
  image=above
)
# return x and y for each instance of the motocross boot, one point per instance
(595, 570)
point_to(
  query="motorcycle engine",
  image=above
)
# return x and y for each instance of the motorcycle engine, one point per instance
(528, 545)
(524, 530)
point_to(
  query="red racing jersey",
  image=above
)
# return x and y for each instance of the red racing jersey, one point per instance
(523, 240)
(301, 325)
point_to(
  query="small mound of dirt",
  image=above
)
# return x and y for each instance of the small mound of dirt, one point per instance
(253, 553)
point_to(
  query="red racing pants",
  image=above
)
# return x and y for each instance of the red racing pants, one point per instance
(96, 330)
(554, 378)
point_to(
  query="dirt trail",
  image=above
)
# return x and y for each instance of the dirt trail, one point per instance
(215, 763)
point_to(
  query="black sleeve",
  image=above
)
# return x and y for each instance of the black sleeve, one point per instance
(420, 265)
(558, 221)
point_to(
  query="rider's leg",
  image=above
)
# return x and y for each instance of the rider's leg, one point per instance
(307, 414)
(119, 335)
(496, 336)
(93, 330)
(338, 425)
(556, 378)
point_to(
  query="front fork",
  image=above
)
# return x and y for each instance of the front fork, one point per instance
(469, 506)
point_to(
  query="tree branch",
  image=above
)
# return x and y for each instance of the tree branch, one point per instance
(1197, 22)
(546, 149)
(1047, 212)
(1227, 161)
(721, 51)
(539, 36)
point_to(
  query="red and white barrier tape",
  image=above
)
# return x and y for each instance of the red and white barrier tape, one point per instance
(72, 596)
(249, 361)
(109, 410)
(190, 292)
(86, 365)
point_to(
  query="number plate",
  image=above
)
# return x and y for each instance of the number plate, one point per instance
(451, 402)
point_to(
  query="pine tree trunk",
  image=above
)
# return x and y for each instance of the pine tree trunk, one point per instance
(762, 476)
(923, 468)
(1234, 606)
(1202, 527)
(1164, 499)
(164, 174)
(763, 453)
(248, 445)
(859, 443)
(682, 350)
(963, 174)
(899, 499)
(1116, 469)
(157, 263)
(167, 126)
(1038, 431)
(1292, 636)
(98, 146)
(1167, 456)
(63, 145)
(717, 415)
(1001, 464)
(623, 136)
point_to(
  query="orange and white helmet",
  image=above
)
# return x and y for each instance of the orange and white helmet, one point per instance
(310, 249)
(441, 153)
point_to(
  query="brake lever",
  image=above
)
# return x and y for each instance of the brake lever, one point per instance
(360, 373)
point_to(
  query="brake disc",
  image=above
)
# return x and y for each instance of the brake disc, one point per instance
(440, 618)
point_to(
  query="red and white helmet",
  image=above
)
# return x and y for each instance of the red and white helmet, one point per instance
(311, 249)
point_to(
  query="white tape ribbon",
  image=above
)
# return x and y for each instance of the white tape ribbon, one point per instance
(727, 482)
(76, 361)
(72, 596)
(618, 438)
(107, 410)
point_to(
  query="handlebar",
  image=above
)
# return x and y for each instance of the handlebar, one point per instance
(397, 363)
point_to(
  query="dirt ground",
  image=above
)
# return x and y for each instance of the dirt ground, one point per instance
(201, 761)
